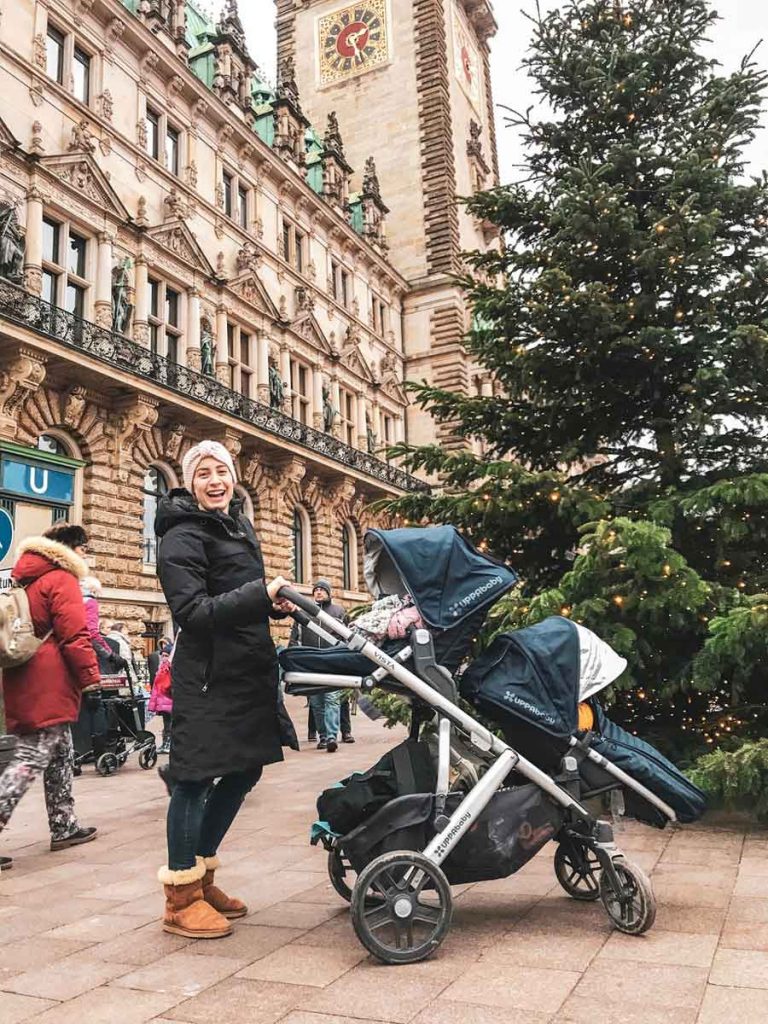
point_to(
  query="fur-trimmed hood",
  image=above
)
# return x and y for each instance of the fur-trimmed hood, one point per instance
(37, 555)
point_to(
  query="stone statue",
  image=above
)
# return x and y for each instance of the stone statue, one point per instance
(121, 307)
(370, 437)
(11, 245)
(276, 388)
(207, 354)
(329, 413)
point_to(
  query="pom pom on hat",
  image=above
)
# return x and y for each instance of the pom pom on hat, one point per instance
(203, 450)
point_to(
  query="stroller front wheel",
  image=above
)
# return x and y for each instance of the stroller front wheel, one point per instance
(633, 910)
(577, 870)
(401, 907)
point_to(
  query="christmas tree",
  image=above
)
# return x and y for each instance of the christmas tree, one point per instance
(622, 464)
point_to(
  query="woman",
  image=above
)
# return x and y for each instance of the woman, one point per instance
(42, 696)
(226, 716)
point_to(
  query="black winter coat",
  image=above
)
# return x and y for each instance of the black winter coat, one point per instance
(225, 688)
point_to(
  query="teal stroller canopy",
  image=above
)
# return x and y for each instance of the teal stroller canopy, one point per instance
(448, 579)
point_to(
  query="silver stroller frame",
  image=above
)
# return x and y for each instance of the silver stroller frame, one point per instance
(624, 889)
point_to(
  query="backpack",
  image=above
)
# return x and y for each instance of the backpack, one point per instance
(18, 643)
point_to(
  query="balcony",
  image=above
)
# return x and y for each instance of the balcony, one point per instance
(76, 334)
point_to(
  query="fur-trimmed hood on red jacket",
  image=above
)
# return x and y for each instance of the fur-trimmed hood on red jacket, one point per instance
(46, 690)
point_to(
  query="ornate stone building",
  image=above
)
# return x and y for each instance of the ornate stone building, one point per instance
(183, 255)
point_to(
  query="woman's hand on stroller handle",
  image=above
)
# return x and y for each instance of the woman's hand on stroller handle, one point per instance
(276, 593)
(287, 594)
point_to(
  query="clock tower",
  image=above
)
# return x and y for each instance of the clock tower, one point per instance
(409, 81)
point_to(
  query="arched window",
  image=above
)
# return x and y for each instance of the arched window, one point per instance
(155, 486)
(49, 443)
(349, 557)
(302, 545)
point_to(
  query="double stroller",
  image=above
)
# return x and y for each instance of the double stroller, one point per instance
(455, 803)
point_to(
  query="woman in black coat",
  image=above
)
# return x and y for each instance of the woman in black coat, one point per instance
(226, 706)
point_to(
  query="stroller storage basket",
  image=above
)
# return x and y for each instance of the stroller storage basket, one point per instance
(509, 832)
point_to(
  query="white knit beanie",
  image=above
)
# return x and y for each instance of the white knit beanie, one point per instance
(200, 451)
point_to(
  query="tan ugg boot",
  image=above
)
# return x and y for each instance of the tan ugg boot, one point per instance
(186, 911)
(228, 906)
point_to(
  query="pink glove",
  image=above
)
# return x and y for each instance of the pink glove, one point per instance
(401, 620)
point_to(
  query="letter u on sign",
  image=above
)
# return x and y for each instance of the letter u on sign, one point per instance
(38, 480)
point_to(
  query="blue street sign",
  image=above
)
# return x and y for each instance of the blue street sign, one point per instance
(38, 482)
(6, 533)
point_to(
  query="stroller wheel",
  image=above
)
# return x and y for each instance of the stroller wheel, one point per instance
(148, 758)
(632, 911)
(414, 912)
(107, 764)
(577, 870)
(342, 875)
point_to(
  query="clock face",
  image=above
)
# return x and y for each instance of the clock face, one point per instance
(352, 40)
(466, 61)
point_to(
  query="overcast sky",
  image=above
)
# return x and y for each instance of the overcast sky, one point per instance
(744, 23)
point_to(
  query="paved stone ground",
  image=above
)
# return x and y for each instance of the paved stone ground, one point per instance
(80, 940)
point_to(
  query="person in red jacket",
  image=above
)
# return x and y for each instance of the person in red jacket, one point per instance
(42, 696)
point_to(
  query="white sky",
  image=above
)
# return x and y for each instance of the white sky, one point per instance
(744, 23)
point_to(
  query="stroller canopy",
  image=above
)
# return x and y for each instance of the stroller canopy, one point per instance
(448, 579)
(540, 673)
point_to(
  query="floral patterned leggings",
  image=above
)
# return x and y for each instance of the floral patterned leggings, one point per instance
(47, 752)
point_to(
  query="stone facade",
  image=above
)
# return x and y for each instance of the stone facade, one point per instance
(425, 113)
(174, 264)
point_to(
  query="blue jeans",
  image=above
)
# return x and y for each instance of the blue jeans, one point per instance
(326, 710)
(200, 814)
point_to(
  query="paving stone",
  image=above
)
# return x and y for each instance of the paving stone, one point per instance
(650, 986)
(540, 948)
(237, 1001)
(741, 968)
(589, 1010)
(489, 984)
(66, 978)
(443, 1011)
(310, 965)
(95, 929)
(293, 915)
(108, 1006)
(744, 936)
(185, 974)
(143, 946)
(16, 1008)
(17, 957)
(733, 1006)
(661, 948)
(374, 995)
(304, 1017)
(249, 944)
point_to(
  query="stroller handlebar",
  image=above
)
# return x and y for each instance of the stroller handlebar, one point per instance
(306, 604)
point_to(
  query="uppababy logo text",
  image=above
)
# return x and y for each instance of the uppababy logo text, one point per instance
(446, 842)
(478, 592)
(512, 698)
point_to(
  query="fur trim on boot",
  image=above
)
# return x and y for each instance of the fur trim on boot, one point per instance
(187, 913)
(227, 906)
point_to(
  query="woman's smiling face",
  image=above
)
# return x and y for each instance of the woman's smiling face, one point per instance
(213, 485)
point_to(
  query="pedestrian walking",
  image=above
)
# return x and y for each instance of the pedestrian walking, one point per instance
(42, 696)
(328, 711)
(228, 719)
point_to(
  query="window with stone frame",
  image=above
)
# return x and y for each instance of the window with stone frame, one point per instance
(349, 556)
(68, 62)
(66, 266)
(378, 314)
(341, 285)
(294, 246)
(347, 420)
(240, 357)
(155, 486)
(164, 140)
(166, 318)
(302, 545)
(301, 391)
(236, 198)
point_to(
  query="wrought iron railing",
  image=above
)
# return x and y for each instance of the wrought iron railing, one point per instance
(72, 331)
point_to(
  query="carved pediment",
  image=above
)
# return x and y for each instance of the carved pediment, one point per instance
(306, 326)
(84, 176)
(7, 139)
(354, 360)
(392, 387)
(250, 288)
(176, 237)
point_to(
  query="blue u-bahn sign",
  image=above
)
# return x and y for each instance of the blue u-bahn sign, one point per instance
(37, 482)
(6, 534)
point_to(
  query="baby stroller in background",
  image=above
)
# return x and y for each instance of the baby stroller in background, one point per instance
(109, 729)
(408, 850)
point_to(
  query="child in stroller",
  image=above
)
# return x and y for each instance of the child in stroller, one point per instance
(415, 835)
